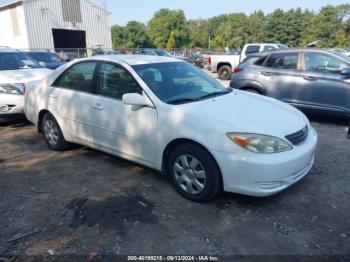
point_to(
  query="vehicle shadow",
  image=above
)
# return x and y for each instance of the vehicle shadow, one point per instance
(327, 119)
(16, 123)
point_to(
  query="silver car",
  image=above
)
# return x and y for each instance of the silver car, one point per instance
(312, 79)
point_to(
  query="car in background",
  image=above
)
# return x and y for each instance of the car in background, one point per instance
(224, 64)
(17, 72)
(160, 52)
(153, 52)
(340, 50)
(158, 112)
(46, 58)
(71, 54)
(106, 52)
(312, 79)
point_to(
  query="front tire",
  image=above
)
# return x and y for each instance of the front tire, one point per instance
(53, 134)
(194, 173)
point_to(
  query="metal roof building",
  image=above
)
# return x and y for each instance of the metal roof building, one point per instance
(54, 24)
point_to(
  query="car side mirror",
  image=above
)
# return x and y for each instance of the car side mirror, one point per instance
(345, 72)
(135, 99)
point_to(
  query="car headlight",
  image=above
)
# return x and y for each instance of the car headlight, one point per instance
(262, 144)
(13, 89)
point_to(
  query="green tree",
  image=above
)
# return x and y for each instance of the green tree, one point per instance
(163, 23)
(130, 36)
(171, 41)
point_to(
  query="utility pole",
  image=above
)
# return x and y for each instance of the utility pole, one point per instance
(209, 46)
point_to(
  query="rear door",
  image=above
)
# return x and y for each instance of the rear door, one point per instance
(324, 86)
(130, 131)
(70, 99)
(281, 77)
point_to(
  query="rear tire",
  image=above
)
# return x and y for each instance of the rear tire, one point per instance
(53, 134)
(225, 72)
(194, 173)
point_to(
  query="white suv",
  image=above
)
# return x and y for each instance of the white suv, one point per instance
(17, 70)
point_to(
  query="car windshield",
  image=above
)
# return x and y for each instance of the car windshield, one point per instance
(342, 55)
(179, 82)
(45, 57)
(16, 60)
(162, 53)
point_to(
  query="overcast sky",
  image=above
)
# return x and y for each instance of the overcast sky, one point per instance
(143, 10)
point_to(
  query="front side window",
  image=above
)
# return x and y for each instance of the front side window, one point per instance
(79, 77)
(283, 61)
(252, 49)
(16, 61)
(179, 82)
(115, 81)
(323, 63)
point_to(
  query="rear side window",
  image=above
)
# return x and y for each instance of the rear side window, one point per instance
(79, 78)
(252, 49)
(283, 61)
(115, 81)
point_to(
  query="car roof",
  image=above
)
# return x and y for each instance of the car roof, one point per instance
(293, 50)
(135, 59)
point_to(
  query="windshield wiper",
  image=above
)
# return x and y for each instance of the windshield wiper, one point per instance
(182, 100)
(215, 94)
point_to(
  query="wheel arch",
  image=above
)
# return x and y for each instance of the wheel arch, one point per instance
(221, 64)
(253, 85)
(171, 145)
(40, 118)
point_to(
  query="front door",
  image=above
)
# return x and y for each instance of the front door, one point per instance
(324, 86)
(129, 131)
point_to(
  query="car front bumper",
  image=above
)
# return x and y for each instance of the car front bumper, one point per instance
(11, 105)
(266, 174)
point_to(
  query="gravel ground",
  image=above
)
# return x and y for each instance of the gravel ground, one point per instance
(82, 201)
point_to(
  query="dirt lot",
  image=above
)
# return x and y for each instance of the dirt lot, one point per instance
(82, 201)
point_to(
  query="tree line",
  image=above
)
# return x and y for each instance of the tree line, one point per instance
(296, 27)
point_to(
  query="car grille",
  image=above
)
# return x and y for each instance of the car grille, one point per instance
(299, 136)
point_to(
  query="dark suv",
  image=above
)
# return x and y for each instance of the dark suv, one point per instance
(308, 78)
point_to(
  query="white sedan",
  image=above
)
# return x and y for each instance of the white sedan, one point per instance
(168, 115)
(17, 70)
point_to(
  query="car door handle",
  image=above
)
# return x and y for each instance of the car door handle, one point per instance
(53, 96)
(310, 78)
(266, 73)
(97, 107)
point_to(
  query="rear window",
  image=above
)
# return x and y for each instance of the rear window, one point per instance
(253, 60)
(252, 49)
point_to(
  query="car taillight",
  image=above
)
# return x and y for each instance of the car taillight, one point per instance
(209, 60)
(237, 70)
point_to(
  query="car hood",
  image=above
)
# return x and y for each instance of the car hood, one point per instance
(23, 75)
(250, 113)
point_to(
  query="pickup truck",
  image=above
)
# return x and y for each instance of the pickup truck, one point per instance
(224, 64)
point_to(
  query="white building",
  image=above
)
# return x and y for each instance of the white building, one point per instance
(54, 24)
